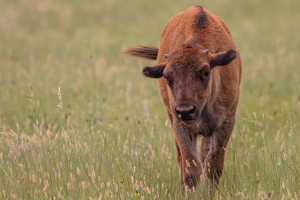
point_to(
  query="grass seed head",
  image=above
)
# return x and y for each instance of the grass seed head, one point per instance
(78, 171)
(187, 163)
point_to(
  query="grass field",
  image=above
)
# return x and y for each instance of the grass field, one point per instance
(105, 133)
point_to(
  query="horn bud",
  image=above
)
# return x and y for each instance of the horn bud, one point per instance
(167, 56)
(206, 51)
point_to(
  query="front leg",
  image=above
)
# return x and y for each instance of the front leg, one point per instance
(187, 158)
(213, 151)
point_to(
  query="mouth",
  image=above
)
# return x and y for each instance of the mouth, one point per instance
(190, 122)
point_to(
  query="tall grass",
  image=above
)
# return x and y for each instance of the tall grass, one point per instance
(105, 134)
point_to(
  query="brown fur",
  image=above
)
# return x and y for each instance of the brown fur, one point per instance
(200, 91)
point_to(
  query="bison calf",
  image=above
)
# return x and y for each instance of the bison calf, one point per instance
(199, 74)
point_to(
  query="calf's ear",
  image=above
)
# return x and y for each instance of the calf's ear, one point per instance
(155, 71)
(223, 58)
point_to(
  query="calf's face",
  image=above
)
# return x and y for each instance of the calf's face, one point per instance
(187, 71)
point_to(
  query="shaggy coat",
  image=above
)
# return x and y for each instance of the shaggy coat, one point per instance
(199, 74)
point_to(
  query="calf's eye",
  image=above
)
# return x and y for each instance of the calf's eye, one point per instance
(169, 82)
(207, 73)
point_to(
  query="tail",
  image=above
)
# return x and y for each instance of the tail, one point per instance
(147, 52)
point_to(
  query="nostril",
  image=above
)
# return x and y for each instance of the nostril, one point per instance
(192, 111)
(178, 112)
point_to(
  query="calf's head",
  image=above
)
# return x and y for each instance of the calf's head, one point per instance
(187, 71)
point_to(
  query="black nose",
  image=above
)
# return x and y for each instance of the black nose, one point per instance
(185, 114)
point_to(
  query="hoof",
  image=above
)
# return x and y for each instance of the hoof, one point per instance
(190, 182)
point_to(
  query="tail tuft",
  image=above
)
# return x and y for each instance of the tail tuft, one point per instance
(147, 52)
